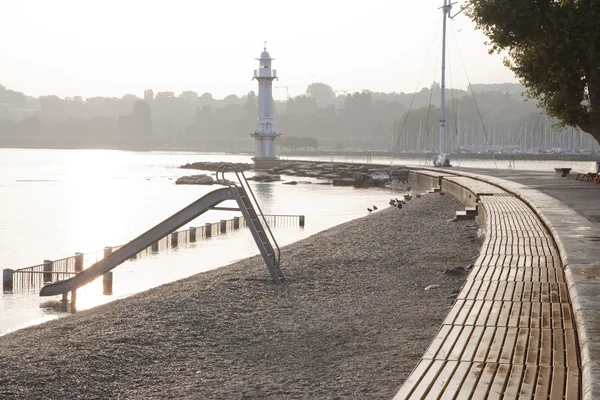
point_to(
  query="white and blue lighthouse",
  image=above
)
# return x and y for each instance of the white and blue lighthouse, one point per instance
(265, 133)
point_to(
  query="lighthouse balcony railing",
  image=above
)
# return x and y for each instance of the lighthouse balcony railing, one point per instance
(265, 73)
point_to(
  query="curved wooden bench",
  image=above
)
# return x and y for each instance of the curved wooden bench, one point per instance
(511, 332)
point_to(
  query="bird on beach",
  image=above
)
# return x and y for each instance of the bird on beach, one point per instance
(399, 205)
(392, 203)
(408, 188)
(374, 207)
(369, 210)
(442, 193)
(418, 196)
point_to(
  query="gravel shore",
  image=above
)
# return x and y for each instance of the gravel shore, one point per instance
(351, 321)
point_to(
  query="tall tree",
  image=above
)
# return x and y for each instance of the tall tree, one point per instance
(553, 48)
(322, 93)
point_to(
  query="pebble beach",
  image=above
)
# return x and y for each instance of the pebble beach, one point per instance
(351, 321)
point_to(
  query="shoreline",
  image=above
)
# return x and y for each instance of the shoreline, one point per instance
(321, 153)
(352, 320)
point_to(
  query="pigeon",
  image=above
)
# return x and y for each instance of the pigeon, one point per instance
(408, 188)
(399, 205)
(374, 207)
(442, 193)
(418, 196)
(369, 210)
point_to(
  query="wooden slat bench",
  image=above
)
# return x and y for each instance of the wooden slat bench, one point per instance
(510, 333)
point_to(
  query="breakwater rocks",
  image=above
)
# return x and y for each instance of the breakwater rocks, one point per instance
(356, 175)
(213, 166)
(337, 174)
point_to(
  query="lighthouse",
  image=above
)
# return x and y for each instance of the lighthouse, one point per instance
(265, 134)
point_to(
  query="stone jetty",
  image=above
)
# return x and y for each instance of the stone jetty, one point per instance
(337, 174)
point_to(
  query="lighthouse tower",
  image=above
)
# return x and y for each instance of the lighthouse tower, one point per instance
(265, 134)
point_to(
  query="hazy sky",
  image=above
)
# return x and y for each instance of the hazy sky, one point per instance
(112, 47)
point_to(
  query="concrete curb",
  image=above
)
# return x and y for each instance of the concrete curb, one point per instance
(578, 241)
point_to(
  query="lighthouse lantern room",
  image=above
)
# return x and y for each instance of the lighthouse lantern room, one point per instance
(265, 133)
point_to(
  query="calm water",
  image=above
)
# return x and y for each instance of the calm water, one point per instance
(58, 202)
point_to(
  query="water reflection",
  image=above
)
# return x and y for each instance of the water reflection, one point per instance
(263, 193)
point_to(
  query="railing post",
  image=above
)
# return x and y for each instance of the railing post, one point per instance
(236, 222)
(174, 239)
(302, 221)
(208, 230)
(192, 234)
(78, 262)
(7, 280)
(47, 271)
(223, 226)
(155, 247)
(107, 278)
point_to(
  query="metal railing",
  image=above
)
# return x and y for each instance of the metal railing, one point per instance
(33, 277)
(247, 190)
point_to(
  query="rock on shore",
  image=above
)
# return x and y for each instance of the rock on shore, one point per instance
(201, 179)
(351, 321)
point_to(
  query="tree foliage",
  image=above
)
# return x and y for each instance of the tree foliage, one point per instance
(553, 48)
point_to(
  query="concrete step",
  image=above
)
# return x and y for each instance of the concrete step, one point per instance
(434, 190)
(464, 216)
(471, 210)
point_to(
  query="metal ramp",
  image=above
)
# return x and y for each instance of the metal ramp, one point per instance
(240, 192)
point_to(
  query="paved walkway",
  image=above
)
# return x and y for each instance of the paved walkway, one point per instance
(511, 333)
(583, 197)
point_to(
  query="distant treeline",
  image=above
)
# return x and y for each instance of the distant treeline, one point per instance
(320, 118)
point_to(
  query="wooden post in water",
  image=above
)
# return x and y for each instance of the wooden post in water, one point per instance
(236, 222)
(208, 230)
(7, 280)
(47, 271)
(73, 300)
(107, 283)
(223, 227)
(78, 262)
(107, 278)
(64, 302)
(302, 221)
(174, 239)
(192, 234)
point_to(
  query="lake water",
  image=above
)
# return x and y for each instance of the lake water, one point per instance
(58, 202)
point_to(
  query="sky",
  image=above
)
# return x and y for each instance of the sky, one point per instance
(113, 47)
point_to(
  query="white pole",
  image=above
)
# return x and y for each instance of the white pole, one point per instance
(443, 105)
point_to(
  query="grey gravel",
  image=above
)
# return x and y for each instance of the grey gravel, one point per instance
(351, 321)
